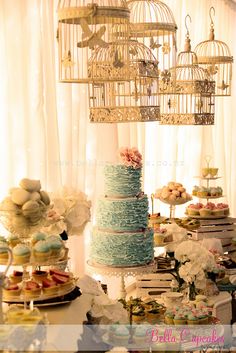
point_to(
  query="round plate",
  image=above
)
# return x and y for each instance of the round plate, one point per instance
(208, 178)
(209, 197)
(207, 217)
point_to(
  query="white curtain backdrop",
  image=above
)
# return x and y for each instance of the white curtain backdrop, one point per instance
(45, 132)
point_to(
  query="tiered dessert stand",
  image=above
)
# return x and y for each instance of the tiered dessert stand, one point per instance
(57, 262)
(121, 272)
(207, 198)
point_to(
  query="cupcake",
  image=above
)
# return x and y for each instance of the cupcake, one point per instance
(192, 319)
(39, 275)
(224, 207)
(49, 287)
(56, 246)
(31, 289)
(194, 209)
(159, 236)
(112, 330)
(11, 291)
(154, 310)
(202, 192)
(3, 252)
(195, 190)
(138, 314)
(169, 317)
(121, 335)
(179, 319)
(140, 335)
(202, 318)
(207, 209)
(16, 277)
(42, 251)
(37, 237)
(13, 240)
(21, 254)
(62, 282)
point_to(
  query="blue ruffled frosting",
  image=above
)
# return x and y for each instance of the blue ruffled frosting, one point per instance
(122, 249)
(122, 181)
(121, 215)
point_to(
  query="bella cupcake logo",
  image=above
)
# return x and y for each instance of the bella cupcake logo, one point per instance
(207, 336)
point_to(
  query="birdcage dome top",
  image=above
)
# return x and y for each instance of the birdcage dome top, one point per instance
(151, 17)
(96, 11)
(189, 73)
(125, 50)
(122, 60)
(213, 51)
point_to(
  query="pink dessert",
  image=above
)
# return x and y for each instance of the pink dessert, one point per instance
(193, 209)
(32, 289)
(224, 207)
(49, 286)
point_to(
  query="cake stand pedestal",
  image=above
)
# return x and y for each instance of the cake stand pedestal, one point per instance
(121, 272)
(2, 279)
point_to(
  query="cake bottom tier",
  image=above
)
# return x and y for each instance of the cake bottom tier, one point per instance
(122, 249)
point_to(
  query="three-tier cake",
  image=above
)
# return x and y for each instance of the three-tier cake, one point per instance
(121, 237)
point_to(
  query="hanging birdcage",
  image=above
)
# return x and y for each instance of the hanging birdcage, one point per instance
(154, 25)
(214, 56)
(125, 83)
(84, 25)
(189, 92)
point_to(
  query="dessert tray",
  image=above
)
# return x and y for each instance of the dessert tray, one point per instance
(209, 197)
(42, 298)
(206, 217)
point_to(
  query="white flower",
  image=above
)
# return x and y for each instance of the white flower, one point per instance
(195, 261)
(73, 212)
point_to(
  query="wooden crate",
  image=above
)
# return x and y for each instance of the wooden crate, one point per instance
(153, 284)
(223, 229)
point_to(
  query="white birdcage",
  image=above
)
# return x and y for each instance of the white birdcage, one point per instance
(214, 56)
(189, 92)
(125, 83)
(154, 25)
(84, 25)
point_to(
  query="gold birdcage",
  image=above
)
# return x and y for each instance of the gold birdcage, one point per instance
(214, 56)
(154, 25)
(189, 92)
(84, 25)
(125, 83)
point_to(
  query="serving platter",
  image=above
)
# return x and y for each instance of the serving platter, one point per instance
(42, 297)
(207, 217)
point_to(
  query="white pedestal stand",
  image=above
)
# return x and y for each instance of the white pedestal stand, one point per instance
(120, 272)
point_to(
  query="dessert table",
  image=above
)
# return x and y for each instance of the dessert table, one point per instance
(65, 323)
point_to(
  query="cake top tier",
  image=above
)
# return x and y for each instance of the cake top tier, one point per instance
(124, 179)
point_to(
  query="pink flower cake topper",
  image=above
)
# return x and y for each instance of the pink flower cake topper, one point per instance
(130, 157)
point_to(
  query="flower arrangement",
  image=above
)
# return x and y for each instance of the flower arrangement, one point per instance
(131, 157)
(70, 212)
(193, 261)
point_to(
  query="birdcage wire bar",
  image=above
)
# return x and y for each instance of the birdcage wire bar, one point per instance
(125, 83)
(82, 27)
(154, 25)
(215, 57)
(189, 91)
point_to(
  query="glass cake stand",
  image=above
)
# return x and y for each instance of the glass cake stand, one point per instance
(120, 272)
